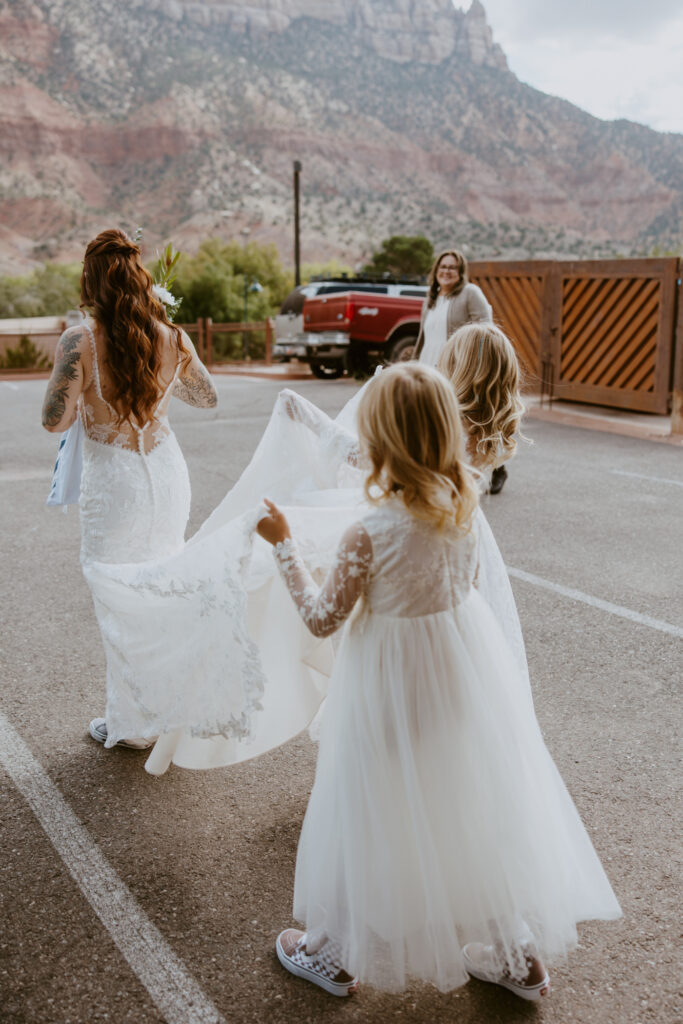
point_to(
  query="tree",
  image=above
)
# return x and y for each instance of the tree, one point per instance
(212, 282)
(51, 290)
(331, 268)
(402, 254)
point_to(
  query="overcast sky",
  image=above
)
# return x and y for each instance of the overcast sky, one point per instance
(613, 58)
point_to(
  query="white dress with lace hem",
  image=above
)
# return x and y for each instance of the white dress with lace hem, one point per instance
(437, 816)
(149, 594)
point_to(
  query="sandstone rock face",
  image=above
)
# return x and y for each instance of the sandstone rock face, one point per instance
(185, 117)
(402, 30)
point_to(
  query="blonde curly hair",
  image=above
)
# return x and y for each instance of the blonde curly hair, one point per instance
(411, 431)
(481, 365)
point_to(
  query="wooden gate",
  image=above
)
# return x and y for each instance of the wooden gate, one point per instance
(611, 331)
(516, 293)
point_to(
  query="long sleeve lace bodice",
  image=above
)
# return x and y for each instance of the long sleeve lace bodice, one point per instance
(402, 566)
(325, 608)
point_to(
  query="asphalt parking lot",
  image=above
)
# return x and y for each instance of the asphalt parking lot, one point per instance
(195, 870)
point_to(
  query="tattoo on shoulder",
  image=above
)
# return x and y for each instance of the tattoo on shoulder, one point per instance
(196, 388)
(70, 339)
(65, 372)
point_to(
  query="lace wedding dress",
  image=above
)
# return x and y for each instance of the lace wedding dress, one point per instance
(134, 507)
(437, 816)
(204, 647)
(217, 694)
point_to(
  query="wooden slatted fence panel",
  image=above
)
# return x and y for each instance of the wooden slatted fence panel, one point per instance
(615, 330)
(515, 291)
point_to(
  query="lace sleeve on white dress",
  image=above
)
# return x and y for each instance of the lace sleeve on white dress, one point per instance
(337, 443)
(325, 608)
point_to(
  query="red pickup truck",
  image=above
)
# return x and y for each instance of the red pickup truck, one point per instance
(352, 330)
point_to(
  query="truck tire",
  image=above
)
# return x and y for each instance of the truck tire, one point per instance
(402, 350)
(327, 371)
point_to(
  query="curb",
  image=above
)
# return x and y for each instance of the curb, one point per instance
(6, 376)
(603, 423)
(259, 371)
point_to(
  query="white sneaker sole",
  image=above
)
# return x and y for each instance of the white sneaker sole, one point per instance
(335, 988)
(129, 744)
(531, 993)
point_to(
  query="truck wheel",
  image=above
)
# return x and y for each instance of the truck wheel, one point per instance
(327, 371)
(402, 350)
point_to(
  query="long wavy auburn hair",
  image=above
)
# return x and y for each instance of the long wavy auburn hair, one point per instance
(410, 428)
(433, 284)
(118, 291)
(482, 367)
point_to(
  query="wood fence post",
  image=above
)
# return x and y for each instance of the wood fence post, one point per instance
(200, 339)
(551, 319)
(677, 396)
(269, 342)
(208, 343)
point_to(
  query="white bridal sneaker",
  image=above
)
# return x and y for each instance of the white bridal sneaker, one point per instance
(481, 963)
(321, 968)
(98, 731)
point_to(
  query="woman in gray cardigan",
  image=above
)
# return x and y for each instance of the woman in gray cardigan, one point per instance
(451, 302)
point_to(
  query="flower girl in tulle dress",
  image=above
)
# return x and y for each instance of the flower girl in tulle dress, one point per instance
(481, 364)
(437, 820)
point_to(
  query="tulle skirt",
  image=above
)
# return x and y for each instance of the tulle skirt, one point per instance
(438, 816)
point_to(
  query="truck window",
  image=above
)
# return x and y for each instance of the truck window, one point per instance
(294, 303)
(414, 292)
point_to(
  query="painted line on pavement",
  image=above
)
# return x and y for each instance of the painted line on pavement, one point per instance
(597, 602)
(170, 985)
(644, 476)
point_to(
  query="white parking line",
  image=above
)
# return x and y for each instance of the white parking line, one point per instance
(644, 476)
(171, 987)
(597, 602)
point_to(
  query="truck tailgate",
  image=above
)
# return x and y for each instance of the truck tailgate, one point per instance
(363, 316)
(374, 317)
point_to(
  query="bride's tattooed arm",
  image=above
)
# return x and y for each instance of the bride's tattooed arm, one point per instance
(196, 387)
(64, 387)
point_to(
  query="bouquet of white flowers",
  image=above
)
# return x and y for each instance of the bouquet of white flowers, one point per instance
(163, 275)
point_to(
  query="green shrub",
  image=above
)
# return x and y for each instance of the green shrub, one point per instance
(26, 356)
(49, 291)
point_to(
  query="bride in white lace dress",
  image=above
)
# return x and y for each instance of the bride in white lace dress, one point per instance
(118, 372)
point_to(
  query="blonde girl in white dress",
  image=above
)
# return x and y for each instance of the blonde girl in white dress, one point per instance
(437, 820)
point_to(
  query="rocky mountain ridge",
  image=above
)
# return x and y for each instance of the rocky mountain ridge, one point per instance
(424, 30)
(185, 117)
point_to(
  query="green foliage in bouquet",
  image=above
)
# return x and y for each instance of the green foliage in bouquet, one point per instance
(164, 274)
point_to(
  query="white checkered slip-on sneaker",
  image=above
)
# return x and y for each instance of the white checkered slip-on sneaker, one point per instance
(322, 968)
(480, 962)
(98, 731)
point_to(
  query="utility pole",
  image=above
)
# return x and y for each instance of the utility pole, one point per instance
(297, 253)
